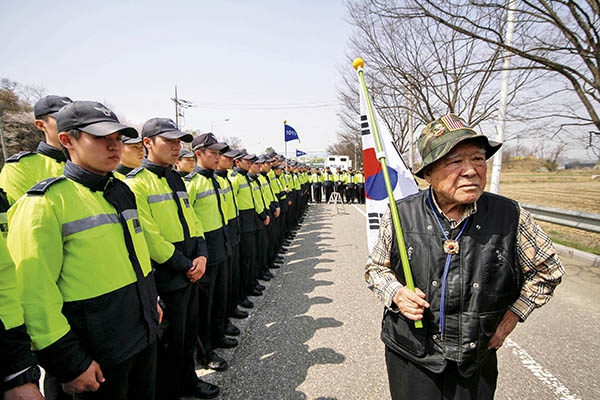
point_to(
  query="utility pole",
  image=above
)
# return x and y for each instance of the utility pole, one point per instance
(497, 165)
(4, 152)
(411, 138)
(180, 104)
(176, 101)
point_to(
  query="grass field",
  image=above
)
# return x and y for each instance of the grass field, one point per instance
(565, 189)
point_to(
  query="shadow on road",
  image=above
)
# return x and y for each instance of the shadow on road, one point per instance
(273, 357)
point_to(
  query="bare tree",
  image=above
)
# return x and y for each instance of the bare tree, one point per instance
(414, 66)
(16, 117)
(558, 36)
(234, 142)
(27, 94)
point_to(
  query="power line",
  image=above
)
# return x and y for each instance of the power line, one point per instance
(258, 106)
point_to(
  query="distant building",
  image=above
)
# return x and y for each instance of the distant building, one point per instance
(579, 165)
(337, 161)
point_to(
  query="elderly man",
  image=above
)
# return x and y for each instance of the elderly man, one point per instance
(480, 264)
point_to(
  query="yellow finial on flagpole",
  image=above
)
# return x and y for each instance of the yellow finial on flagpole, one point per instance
(285, 121)
(358, 63)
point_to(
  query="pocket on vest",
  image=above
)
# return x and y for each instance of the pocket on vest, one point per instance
(488, 323)
(402, 332)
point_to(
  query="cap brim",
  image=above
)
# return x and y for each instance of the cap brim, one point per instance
(106, 128)
(218, 146)
(231, 154)
(184, 137)
(130, 140)
(490, 146)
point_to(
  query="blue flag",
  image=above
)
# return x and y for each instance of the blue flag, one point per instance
(300, 153)
(290, 133)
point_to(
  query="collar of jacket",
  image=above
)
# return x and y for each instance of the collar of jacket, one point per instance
(241, 171)
(205, 172)
(51, 151)
(122, 169)
(94, 182)
(155, 168)
(221, 172)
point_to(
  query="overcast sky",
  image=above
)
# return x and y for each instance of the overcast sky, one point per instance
(254, 63)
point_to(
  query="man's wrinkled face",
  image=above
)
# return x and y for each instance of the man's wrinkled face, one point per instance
(460, 176)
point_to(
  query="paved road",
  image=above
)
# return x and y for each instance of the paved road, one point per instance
(315, 332)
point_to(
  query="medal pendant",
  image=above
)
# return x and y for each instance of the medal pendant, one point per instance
(451, 247)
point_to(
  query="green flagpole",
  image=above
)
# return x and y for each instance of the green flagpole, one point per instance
(358, 65)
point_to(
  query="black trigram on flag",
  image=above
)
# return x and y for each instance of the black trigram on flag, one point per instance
(364, 125)
(374, 220)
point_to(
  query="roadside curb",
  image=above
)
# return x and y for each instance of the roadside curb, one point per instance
(568, 252)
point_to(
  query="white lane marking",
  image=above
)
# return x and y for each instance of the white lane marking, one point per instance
(359, 210)
(539, 372)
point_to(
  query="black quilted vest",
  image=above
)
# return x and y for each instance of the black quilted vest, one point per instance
(484, 279)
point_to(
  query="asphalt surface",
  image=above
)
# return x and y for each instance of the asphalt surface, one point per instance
(314, 334)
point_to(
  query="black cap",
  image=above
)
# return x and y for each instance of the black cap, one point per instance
(166, 128)
(272, 153)
(91, 117)
(49, 105)
(242, 153)
(186, 153)
(131, 140)
(250, 157)
(208, 141)
(232, 153)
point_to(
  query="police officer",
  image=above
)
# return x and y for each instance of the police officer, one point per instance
(25, 169)
(209, 205)
(185, 162)
(132, 156)
(350, 186)
(94, 328)
(243, 188)
(328, 181)
(316, 179)
(178, 252)
(19, 375)
(233, 226)
(338, 178)
(271, 190)
(359, 180)
(263, 218)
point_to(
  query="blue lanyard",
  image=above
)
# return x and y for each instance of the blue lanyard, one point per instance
(447, 264)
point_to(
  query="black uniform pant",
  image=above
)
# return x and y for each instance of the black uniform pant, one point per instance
(409, 381)
(340, 188)
(360, 192)
(233, 289)
(212, 309)
(176, 365)
(350, 193)
(53, 389)
(317, 195)
(247, 256)
(134, 378)
(328, 191)
(261, 246)
(277, 234)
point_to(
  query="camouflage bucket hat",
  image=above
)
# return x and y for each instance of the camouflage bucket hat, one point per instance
(443, 134)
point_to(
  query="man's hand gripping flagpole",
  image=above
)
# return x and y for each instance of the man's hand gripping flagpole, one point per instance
(358, 65)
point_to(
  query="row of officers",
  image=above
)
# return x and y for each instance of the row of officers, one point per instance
(126, 257)
(349, 184)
